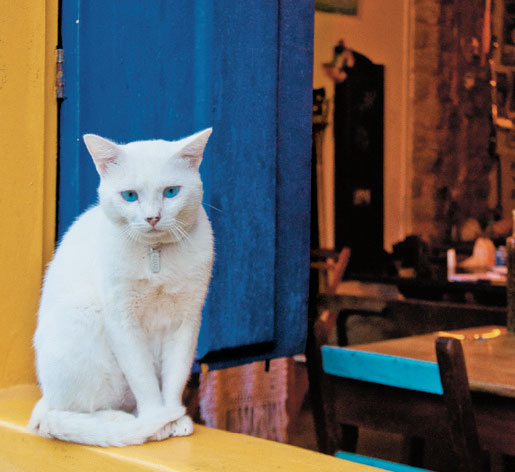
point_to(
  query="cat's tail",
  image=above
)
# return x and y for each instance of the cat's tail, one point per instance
(101, 428)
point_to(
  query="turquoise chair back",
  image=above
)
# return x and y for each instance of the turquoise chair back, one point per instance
(411, 374)
(447, 377)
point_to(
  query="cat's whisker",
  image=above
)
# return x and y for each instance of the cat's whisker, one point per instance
(186, 236)
(213, 207)
(181, 224)
(174, 234)
(183, 232)
(127, 232)
(132, 236)
(124, 242)
(125, 237)
(180, 235)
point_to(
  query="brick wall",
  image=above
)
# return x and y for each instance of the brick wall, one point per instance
(451, 118)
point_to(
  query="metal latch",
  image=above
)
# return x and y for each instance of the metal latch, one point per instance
(59, 78)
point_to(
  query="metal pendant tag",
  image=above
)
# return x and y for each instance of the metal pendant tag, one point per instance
(155, 263)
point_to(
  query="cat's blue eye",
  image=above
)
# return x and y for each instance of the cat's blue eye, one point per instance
(171, 192)
(130, 195)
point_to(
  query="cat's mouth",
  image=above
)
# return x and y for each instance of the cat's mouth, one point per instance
(158, 234)
(155, 235)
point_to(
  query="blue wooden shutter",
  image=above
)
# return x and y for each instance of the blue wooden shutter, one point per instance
(158, 69)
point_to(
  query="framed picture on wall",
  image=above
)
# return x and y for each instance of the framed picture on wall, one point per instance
(344, 7)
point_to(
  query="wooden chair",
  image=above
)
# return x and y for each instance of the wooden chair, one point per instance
(331, 265)
(445, 382)
(327, 269)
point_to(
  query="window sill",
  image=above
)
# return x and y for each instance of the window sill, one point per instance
(209, 450)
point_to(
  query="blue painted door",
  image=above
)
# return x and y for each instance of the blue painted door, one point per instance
(165, 69)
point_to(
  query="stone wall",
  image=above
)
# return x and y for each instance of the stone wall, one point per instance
(451, 118)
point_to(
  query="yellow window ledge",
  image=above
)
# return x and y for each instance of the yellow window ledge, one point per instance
(207, 450)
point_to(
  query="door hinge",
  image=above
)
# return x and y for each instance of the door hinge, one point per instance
(59, 77)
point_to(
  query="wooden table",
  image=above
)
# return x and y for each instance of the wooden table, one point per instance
(490, 358)
(409, 315)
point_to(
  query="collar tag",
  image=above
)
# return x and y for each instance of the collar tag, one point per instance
(155, 262)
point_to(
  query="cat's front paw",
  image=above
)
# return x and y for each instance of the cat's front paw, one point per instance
(181, 427)
(164, 433)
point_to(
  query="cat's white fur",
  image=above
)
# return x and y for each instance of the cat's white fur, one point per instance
(115, 341)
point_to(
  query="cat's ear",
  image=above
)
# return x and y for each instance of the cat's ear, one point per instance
(194, 145)
(103, 152)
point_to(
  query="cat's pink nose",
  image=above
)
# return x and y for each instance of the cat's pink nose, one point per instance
(152, 220)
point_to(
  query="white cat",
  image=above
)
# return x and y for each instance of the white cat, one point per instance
(121, 303)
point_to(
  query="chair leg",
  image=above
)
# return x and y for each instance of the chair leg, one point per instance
(508, 463)
(349, 437)
(316, 379)
(313, 364)
(413, 451)
(341, 328)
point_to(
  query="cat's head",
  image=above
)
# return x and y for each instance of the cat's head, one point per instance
(150, 189)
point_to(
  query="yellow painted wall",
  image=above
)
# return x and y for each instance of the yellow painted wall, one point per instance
(28, 144)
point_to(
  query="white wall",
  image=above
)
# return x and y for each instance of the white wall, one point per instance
(380, 31)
